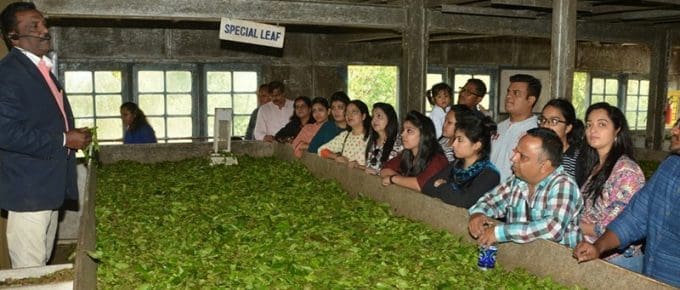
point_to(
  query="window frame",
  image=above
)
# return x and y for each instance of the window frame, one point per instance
(193, 69)
(638, 78)
(93, 67)
(621, 93)
(203, 104)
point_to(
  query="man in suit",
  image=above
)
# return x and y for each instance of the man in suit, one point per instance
(38, 139)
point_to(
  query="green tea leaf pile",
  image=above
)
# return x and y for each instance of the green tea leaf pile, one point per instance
(267, 223)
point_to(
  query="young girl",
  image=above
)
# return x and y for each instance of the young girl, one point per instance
(301, 116)
(440, 99)
(329, 130)
(349, 146)
(421, 158)
(320, 115)
(384, 142)
(609, 177)
(472, 175)
(559, 115)
(446, 140)
(137, 128)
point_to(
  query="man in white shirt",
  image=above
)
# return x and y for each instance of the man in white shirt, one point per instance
(522, 95)
(274, 115)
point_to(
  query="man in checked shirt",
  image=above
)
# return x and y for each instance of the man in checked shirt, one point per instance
(541, 201)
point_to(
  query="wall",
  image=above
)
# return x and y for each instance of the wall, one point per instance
(314, 63)
(308, 64)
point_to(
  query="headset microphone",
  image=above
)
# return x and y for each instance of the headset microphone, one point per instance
(17, 36)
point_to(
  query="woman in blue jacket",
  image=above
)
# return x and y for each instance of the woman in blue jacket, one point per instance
(137, 128)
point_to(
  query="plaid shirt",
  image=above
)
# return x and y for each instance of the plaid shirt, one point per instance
(552, 214)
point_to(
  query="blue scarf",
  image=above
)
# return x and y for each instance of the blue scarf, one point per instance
(461, 176)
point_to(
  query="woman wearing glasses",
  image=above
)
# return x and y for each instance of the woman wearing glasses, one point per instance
(608, 177)
(472, 174)
(421, 158)
(559, 115)
(384, 142)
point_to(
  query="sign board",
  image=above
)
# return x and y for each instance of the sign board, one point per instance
(252, 32)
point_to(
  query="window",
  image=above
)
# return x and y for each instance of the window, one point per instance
(637, 98)
(372, 84)
(95, 97)
(165, 96)
(231, 89)
(604, 90)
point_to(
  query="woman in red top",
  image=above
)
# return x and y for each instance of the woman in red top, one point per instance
(421, 158)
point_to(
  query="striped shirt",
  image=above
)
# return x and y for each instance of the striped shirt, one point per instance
(448, 150)
(569, 160)
(551, 214)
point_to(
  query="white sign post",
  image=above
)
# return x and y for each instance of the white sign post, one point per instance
(222, 138)
(252, 32)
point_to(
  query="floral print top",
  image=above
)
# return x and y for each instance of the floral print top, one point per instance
(624, 181)
(352, 146)
(375, 153)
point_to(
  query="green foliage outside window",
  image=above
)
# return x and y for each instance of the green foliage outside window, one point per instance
(373, 83)
(579, 93)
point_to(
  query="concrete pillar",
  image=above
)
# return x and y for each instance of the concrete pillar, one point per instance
(414, 59)
(563, 43)
(658, 88)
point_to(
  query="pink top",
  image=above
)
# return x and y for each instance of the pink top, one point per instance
(624, 181)
(304, 137)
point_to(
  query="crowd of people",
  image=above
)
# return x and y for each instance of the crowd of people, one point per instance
(547, 176)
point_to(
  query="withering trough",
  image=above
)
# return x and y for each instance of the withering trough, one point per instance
(541, 258)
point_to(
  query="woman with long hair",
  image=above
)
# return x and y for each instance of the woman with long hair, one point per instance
(137, 128)
(559, 115)
(384, 142)
(302, 115)
(472, 174)
(421, 158)
(608, 177)
(446, 140)
(320, 115)
(328, 131)
(349, 146)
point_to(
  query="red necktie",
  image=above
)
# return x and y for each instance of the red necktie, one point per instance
(58, 96)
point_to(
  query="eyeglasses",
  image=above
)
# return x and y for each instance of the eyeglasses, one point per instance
(462, 90)
(550, 122)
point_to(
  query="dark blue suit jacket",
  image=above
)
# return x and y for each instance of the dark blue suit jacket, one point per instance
(36, 171)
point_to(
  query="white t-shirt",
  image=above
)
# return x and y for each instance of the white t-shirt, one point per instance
(438, 115)
(271, 118)
(505, 141)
